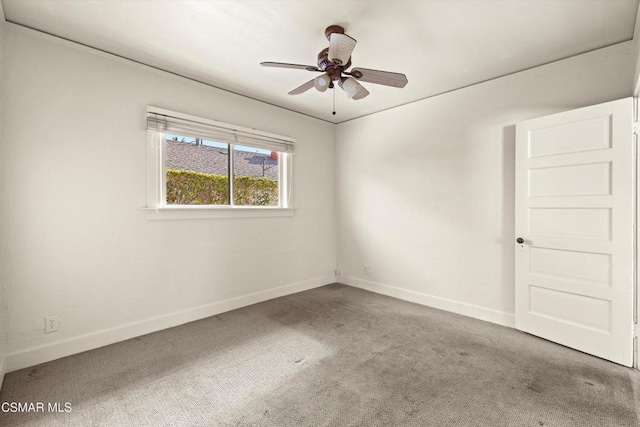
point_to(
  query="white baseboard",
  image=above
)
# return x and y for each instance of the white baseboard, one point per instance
(36, 355)
(469, 310)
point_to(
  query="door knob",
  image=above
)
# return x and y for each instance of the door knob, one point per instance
(520, 240)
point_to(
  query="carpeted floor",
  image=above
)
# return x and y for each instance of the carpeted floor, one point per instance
(332, 356)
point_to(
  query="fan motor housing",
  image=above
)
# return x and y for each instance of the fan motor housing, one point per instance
(332, 69)
(323, 59)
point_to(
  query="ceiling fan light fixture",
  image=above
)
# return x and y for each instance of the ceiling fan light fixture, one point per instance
(321, 83)
(350, 86)
(340, 48)
(333, 63)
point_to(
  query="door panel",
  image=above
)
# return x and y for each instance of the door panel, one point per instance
(571, 180)
(567, 307)
(577, 267)
(593, 223)
(572, 138)
(574, 210)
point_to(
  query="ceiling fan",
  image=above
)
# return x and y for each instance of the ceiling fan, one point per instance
(333, 63)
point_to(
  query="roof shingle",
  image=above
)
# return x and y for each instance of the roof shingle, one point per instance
(214, 160)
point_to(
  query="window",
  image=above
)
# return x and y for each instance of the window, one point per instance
(200, 168)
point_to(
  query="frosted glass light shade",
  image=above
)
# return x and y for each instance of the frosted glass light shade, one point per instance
(340, 48)
(322, 82)
(351, 87)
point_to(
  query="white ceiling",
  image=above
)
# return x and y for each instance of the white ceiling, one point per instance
(439, 45)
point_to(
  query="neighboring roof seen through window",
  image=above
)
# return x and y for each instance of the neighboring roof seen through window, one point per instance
(212, 157)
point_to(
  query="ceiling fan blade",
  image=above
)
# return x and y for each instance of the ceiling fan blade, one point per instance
(293, 66)
(380, 77)
(340, 47)
(305, 87)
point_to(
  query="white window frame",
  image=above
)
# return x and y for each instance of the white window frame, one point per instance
(157, 207)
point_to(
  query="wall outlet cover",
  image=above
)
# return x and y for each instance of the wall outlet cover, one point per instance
(51, 324)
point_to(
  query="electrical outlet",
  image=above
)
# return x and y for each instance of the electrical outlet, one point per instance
(50, 324)
(366, 269)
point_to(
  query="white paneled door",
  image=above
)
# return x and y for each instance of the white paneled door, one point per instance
(575, 229)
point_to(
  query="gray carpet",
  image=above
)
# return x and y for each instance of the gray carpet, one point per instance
(332, 356)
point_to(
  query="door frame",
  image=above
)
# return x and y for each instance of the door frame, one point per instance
(636, 328)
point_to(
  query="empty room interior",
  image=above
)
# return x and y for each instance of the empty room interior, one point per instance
(319, 213)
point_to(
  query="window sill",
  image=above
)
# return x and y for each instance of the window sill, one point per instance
(215, 212)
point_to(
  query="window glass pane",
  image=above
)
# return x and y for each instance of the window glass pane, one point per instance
(197, 171)
(255, 181)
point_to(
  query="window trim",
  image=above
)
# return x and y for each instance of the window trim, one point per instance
(157, 208)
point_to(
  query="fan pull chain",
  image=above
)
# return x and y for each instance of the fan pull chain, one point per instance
(334, 100)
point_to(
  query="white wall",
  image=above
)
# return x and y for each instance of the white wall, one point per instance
(636, 51)
(426, 191)
(3, 299)
(425, 197)
(73, 185)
